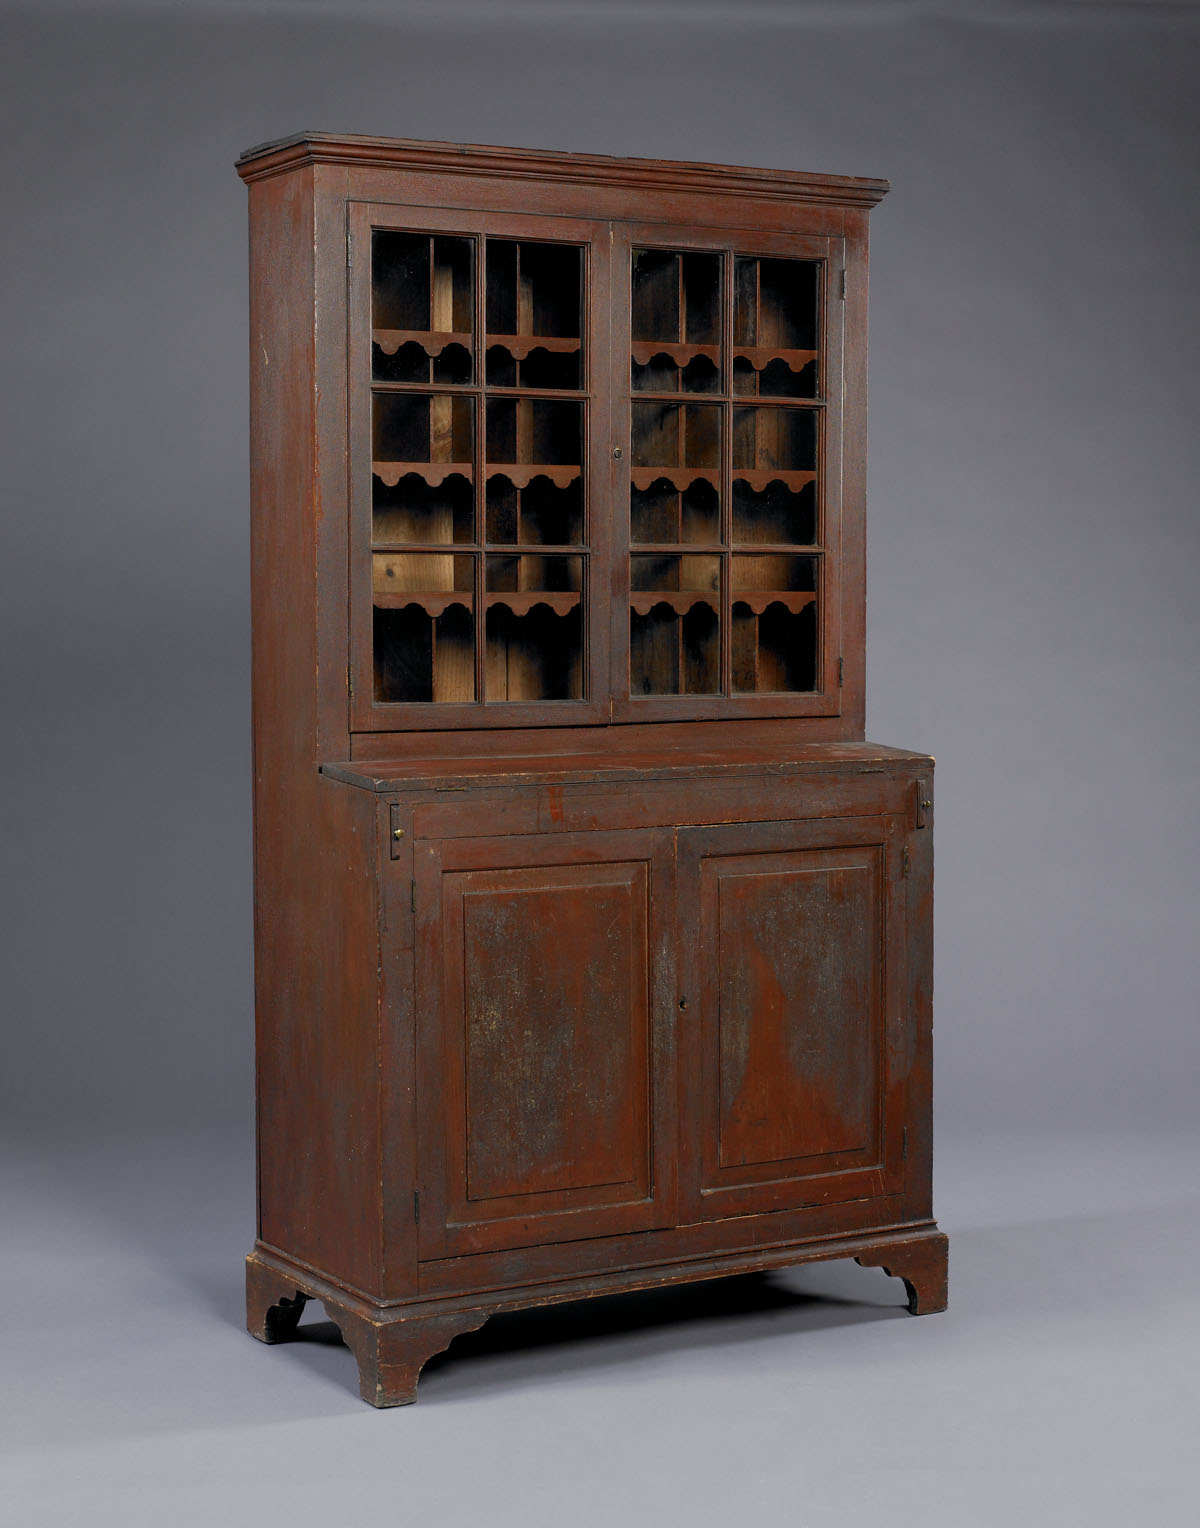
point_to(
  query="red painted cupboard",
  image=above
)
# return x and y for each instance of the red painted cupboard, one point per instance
(593, 943)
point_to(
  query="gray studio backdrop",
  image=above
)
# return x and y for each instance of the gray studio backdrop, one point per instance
(1033, 490)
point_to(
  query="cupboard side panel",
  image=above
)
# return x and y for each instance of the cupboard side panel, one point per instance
(315, 923)
(318, 1043)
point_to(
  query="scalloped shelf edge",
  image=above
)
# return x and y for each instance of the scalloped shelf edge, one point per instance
(521, 474)
(644, 601)
(681, 477)
(758, 601)
(758, 478)
(434, 341)
(560, 603)
(432, 602)
(765, 476)
(761, 356)
(520, 346)
(431, 341)
(432, 473)
(435, 603)
(644, 351)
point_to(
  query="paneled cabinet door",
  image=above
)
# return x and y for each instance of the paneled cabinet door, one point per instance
(792, 951)
(545, 1071)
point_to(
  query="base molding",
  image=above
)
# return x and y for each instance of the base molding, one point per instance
(392, 1342)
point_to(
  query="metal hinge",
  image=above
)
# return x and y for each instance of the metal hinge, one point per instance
(842, 283)
(841, 672)
(349, 239)
(413, 896)
(904, 1144)
(350, 679)
(905, 861)
(923, 802)
(416, 1208)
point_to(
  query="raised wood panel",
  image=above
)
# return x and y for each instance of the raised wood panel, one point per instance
(798, 1006)
(543, 996)
(554, 1006)
(794, 973)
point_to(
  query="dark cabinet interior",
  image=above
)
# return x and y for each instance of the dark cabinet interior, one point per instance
(593, 941)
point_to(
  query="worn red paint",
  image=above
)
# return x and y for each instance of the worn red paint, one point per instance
(563, 989)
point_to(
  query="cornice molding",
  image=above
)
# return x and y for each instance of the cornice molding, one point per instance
(527, 164)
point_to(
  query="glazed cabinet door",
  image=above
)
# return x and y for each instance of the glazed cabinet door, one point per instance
(728, 388)
(544, 1000)
(479, 461)
(792, 982)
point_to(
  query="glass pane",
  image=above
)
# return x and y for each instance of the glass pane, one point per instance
(534, 636)
(542, 514)
(396, 575)
(424, 626)
(682, 442)
(774, 628)
(423, 656)
(774, 438)
(416, 511)
(776, 324)
(534, 314)
(695, 573)
(553, 573)
(675, 300)
(774, 513)
(660, 514)
(676, 473)
(535, 655)
(542, 434)
(429, 436)
(674, 625)
(423, 299)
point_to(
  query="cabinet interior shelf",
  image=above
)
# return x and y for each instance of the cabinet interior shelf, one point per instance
(520, 346)
(756, 600)
(434, 341)
(759, 356)
(757, 478)
(435, 603)
(519, 474)
(431, 341)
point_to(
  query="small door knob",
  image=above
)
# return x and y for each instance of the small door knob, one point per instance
(617, 452)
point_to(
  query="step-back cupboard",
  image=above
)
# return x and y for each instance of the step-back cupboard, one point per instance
(592, 940)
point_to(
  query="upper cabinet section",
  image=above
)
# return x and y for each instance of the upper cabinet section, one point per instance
(599, 466)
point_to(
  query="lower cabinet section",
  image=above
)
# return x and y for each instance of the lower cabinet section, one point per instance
(621, 1050)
